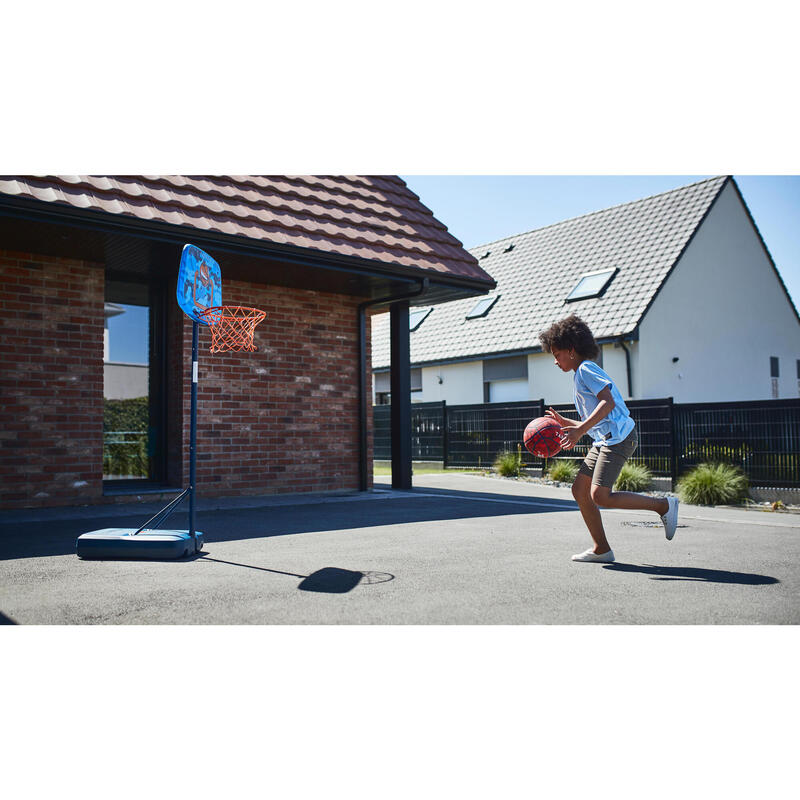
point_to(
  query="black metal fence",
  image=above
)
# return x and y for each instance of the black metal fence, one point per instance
(427, 432)
(762, 437)
(654, 424)
(475, 434)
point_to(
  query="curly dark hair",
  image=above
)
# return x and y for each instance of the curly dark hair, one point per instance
(570, 333)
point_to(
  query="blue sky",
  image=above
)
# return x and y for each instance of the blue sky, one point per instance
(128, 336)
(478, 209)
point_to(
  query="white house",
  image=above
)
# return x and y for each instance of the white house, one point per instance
(679, 290)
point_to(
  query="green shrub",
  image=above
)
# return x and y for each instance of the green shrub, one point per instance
(713, 484)
(633, 478)
(508, 463)
(563, 470)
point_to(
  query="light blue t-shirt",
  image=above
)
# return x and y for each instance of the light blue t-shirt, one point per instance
(589, 381)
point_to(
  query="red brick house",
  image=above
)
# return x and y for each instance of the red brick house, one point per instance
(315, 253)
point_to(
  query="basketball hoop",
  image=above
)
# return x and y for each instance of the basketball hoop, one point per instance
(232, 327)
(199, 294)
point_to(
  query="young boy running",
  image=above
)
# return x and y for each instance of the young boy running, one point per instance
(605, 417)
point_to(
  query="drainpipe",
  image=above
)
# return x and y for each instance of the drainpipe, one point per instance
(363, 466)
(621, 343)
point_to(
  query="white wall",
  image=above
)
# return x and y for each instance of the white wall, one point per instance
(723, 313)
(461, 383)
(546, 380)
(615, 365)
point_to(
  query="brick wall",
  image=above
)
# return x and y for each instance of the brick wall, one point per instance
(51, 381)
(285, 418)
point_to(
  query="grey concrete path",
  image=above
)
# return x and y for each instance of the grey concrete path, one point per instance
(457, 549)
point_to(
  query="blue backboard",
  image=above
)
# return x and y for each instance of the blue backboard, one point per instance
(199, 282)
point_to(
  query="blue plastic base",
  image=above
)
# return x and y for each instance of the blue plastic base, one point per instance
(113, 543)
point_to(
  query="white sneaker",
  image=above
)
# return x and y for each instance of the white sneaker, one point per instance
(590, 555)
(670, 519)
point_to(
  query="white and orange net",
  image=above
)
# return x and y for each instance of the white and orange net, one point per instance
(232, 327)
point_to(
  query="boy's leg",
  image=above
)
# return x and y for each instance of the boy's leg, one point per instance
(610, 461)
(603, 496)
(582, 492)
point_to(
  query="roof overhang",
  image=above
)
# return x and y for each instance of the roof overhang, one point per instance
(134, 247)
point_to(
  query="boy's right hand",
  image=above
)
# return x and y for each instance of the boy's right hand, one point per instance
(553, 414)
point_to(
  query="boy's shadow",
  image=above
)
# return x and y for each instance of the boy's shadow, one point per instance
(692, 574)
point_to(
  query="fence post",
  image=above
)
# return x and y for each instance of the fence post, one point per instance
(673, 449)
(445, 437)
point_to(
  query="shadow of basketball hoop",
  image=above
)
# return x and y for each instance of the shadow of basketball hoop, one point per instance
(330, 580)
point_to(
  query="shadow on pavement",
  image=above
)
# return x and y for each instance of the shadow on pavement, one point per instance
(57, 537)
(332, 580)
(693, 574)
(4, 620)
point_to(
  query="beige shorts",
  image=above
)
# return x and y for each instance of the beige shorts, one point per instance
(603, 464)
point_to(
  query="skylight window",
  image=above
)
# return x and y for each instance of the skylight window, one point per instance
(591, 284)
(417, 316)
(482, 307)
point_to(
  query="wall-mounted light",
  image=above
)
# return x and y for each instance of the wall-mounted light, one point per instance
(674, 359)
(440, 379)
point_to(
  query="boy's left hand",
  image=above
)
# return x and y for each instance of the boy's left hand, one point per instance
(572, 435)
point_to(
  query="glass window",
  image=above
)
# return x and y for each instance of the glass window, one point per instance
(591, 284)
(482, 307)
(417, 316)
(132, 407)
(126, 379)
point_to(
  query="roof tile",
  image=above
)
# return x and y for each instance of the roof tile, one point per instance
(377, 218)
(642, 239)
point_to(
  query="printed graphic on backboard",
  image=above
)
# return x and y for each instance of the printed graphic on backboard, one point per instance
(199, 282)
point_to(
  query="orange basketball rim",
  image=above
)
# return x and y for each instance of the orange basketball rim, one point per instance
(232, 327)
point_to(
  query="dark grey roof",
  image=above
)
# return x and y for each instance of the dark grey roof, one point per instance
(642, 239)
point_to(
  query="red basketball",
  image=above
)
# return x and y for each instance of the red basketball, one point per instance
(542, 437)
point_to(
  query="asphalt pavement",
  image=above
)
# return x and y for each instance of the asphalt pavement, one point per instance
(457, 549)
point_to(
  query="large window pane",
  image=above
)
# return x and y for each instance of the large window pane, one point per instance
(126, 387)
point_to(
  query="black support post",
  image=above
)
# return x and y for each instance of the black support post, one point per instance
(673, 443)
(445, 435)
(401, 396)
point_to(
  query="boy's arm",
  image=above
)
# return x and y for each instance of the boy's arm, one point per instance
(573, 431)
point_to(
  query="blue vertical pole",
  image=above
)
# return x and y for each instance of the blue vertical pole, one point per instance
(193, 436)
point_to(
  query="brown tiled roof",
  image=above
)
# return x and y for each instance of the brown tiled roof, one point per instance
(377, 218)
